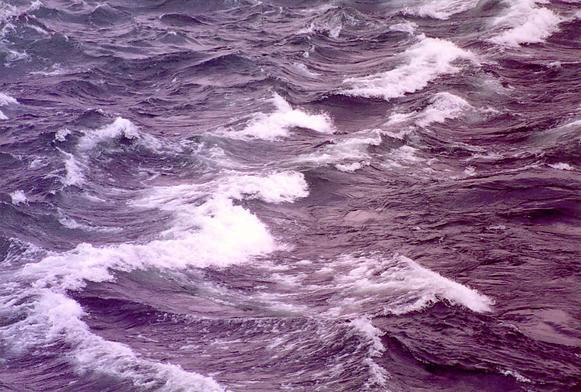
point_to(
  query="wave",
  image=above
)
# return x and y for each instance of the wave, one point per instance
(398, 286)
(347, 155)
(443, 106)
(378, 375)
(441, 9)
(525, 22)
(120, 128)
(6, 100)
(424, 62)
(215, 232)
(279, 124)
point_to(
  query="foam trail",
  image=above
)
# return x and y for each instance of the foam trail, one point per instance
(525, 22)
(424, 62)
(278, 124)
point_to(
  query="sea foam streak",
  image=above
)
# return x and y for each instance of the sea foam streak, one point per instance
(424, 62)
(212, 233)
(525, 22)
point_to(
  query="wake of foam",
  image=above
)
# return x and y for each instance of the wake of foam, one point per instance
(425, 61)
(279, 124)
(525, 22)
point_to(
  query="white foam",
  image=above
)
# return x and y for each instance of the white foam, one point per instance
(6, 100)
(61, 135)
(403, 156)
(525, 22)
(278, 124)
(424, 62)
(441, 9)
(443, 106)
(73, 170)
(399, 285)
(561, 166)
(120, 128)
(208, 230)
(56, 317)
(303, 69)
(516, 375)
(18, 197)
(405, 27)
(378, 375)
(348, 155)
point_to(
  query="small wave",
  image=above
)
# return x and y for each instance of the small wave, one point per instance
(378, 375)
(74, 175)
(441, 9)
(443, 106)
(525, 22)
(121, 128)
(425, 61)
(404, 27)
(6, 100)
(399, 285)
(278, 125)
(347, 155)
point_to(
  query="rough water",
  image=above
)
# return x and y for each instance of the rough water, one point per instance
(290, 195)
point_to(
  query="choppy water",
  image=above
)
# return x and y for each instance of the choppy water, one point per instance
(290, 195)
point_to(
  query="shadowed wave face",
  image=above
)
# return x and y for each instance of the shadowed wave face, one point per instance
(290, 195)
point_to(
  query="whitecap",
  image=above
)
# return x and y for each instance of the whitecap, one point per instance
(561, 166)
(348, 155)
(279, 124)
(441, 9)
(424, 62)
(18, 197)
(6, 100)
(119, 128)
(443, 106)
(525, 22)
(397, 285)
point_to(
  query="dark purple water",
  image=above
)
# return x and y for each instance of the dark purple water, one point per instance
(290, 195)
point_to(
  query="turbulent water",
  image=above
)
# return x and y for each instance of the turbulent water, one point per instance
(290, 195)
